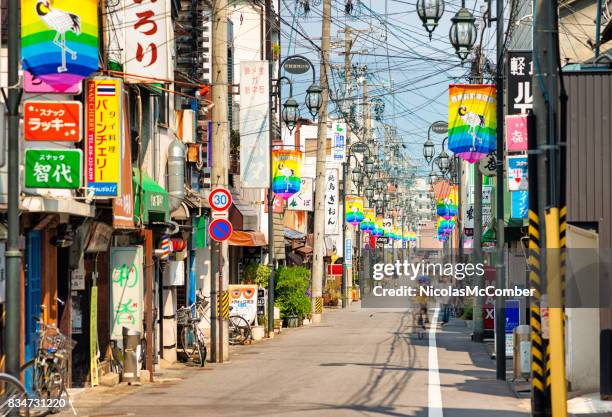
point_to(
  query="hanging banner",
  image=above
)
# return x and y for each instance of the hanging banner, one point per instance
(378, 229)
(254, 120)
(103, 137)
(123, 206)
(146, 39)
(516, 133)
(52, 120)
(354, 210)
(339, 141)
(519, 204)
(471, 120)
(126, 266)
(517, 173)
(286, 173)
(369, 217)
(303, 200)
(387, 227)
(520, 71)
(331, 202)
(59, 43)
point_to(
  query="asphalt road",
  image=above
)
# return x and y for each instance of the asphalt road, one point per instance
(357, 363)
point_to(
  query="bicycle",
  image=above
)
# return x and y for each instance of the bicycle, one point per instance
(49, 369)
(114, 357)
(191, 336)
(13, 397)
(239, 330)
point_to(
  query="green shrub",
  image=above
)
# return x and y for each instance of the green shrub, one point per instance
(255, 273)
(468, 313)
(291, 292)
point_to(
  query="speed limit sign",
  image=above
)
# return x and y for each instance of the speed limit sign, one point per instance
(220, 199)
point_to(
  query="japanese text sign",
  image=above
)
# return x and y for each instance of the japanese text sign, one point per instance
(517, 173)
(331, 202)
(146, 38)
(302, 200)
(103, 136)
(339, 140)
(516, 133)
(520, 71)
(53, 168)
(52, 120)
(520, 204)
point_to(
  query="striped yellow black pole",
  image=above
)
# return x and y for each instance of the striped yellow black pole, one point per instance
(318, 305)
(223, 305)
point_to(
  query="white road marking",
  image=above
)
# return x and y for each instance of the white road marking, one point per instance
(434, 394)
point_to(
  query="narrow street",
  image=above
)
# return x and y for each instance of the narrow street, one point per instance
(361, 362)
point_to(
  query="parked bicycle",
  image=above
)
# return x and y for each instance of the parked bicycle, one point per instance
(48, 370)
(239, 329)
(191, 337)
(13, 397)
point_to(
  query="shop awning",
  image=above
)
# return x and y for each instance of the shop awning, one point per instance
(294, 234)
(156, 205)
(242, 238)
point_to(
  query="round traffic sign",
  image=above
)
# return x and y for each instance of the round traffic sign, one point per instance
(220, 199)
(220, 229)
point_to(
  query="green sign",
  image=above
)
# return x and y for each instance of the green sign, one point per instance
(53, 168)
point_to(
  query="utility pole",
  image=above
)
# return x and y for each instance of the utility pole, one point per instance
(220, 159)
(269, 17)
(500, 270)
(545, 109)
(13, 255)
(319, 222)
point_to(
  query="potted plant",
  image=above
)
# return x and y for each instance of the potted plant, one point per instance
(291, 294)
(255, 273)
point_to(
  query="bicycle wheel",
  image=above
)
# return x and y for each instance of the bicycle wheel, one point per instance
(13, 397)
(187, 344)
(201, 346)
(55, 386)
(239, 330)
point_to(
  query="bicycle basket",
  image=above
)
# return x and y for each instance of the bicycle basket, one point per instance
(52, 340)
(183, 316)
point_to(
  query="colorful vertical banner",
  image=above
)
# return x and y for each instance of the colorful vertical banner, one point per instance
(378, 228)
(471, 120)
(286, 173)
(354, 210)
(516, 133)
(123, 206)
(103, 145)
(59, 43)
(369, 217)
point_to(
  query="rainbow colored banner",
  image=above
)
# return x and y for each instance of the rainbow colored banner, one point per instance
(378, 229)
(368, 222)
(286, 179)
(354, 210)
(447, 207)
(472, 120)
(59, 41)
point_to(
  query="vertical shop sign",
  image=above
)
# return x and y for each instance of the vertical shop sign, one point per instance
(146, 39)
(93, 336)
(126, 289)
(339, 141)
(123, 206)
(302, 200)
(517, 173)
(520, 71)
(331, 201)
(254, 121)
(103, 137)
(516, 133)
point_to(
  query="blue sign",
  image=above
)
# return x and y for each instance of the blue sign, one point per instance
(348, 252)
(519, 204)
(518, 179)
(220, 230)
(513, 314)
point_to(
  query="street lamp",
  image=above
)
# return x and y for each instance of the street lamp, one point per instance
(430, 12)
(443, 161)
(428, 150)
(369, 166)
(291, 113)
(369, 193)
(356, 176)
(463, 32)
(380, 185)
(314, 99)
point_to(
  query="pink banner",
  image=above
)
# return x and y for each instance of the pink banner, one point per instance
(516, 133)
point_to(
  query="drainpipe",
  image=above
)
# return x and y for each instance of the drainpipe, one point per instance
(176, 173)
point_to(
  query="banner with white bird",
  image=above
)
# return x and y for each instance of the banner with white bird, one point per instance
(286, 173)
(59, 42)
(472, 120)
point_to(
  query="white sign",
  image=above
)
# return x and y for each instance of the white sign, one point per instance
(126, 290)
(487, 192)
(174, 274)
(468, 215)
(302, 200)
(254, 120)
(339, 141)
(332, 212)
(220, 199)
(77, 280)
(243, 301)
(145, 25)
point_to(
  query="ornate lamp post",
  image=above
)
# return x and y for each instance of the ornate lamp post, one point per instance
(430, 12)
(463, 32)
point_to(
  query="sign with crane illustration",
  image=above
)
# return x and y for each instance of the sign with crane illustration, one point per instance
(59, 43)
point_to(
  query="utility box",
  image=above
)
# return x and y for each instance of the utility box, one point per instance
(521, 337)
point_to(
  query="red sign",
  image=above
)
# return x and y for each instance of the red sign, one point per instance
(334, 269)
(52, 120)
(278, 205)
(220, 199)
(488, 306)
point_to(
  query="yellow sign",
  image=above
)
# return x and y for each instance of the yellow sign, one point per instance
(103, 139)
(93, 336)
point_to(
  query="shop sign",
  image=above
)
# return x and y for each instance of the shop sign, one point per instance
(519, 204)
(516, 133)
(517, 173)
(53, 168)
(296, 65)
(520, 72)
(243, 301)
(339, 141)
(126, 289)
(303, 200)
(52, 120)
(331, 202)
(146, 39)
(103, 137)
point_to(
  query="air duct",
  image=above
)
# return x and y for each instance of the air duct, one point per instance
(176, 173)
